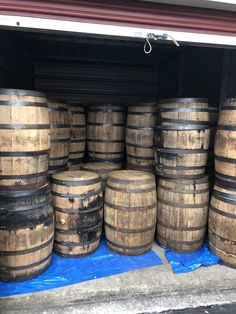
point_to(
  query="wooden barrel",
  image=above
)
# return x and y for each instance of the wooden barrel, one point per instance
(60, 135)
(106, 133)
(26, 233)
(78, 205)
(139, 136)
(225, 144)
(77, 135)
(210, 169)
(102, 168)
(130, 211)
(24, 138)
(222, 224)
(182, 138)
(182, 213)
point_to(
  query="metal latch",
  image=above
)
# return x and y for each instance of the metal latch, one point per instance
(148, 47)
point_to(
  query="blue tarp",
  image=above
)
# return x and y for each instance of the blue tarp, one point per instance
(183, 263)
(69, 271)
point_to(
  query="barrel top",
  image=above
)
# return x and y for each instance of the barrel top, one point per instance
(131, 176)
(183, 100)
(21, 92)
(100, 165)
(76, 176)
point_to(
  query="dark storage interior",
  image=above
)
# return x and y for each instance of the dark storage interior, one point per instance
(89, 69)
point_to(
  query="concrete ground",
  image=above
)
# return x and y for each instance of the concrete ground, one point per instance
(152, 290)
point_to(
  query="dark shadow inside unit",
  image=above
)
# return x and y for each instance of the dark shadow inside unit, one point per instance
(87, 70)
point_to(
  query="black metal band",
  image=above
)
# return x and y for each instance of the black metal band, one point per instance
(222, 239)
(60, 109)
(128, 190)
(140, 113)
(130, 248)
(170, 151)
(222, 213)
(226, 127)
(181, 205)
(24, 154)
(185, 122)
(225, 159)
(78, 126)
(23, 103)
(140, 157)
(228, 107)
(58, 158)
(139, 145)
(74, 244)
(182, 127)
(81, 196)
(13, 194)
(179, 168)
(77, 152)
(21, 208)
(24, 126)
(222, 195)
(60, 126)
(75, 183)
(23, 176)
(104, 141)
(132, 127)
(10, 268)
(60, 140)
(123, 230)
(221, 177)
(83, 140)
(106, 124)
(183, 110)
(203, 227)
(123, 208)
(105, 153)
(27, 251)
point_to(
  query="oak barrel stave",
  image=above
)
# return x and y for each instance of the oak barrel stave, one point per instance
(78, 206)
(182, 213)
(60, 135)
(130, 211)
(182, 138)
(139, 136)
(26, 232)
(106, 133)
(77, 136)
(25, 139)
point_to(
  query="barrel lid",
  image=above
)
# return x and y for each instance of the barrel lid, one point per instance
(183, 100)
(75, 178)
(21, 92)
(101, 165)
(131, 177)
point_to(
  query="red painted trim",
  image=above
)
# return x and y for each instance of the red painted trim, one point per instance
(130, 13)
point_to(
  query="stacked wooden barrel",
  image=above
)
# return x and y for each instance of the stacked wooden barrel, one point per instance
(106, 133)
(130, 211)
(78, 205)
(139, 136)
(103, 169)
(77, 136)
(181, 147)
(222, 214)
(60, 135)
(26, 216)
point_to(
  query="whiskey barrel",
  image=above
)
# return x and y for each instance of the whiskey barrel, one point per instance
(77, 135)
(182, 138)
(103, 169)
(182, 213)
(225, 144)
(78, 206)
(60, 135)
(24, 138)
(106, 133)
(26, 233)
(222, 224)
(139, 136)
(130, 211)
